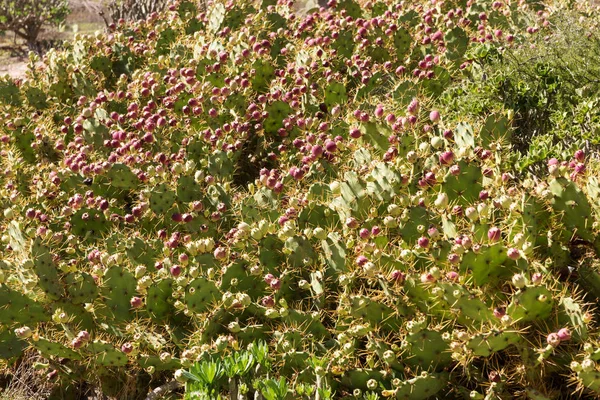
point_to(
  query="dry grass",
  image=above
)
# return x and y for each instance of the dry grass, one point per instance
(25, 382)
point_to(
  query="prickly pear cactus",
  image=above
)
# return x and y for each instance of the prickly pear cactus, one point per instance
(274, 203)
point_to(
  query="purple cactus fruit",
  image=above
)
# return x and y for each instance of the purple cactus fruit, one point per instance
(499, 312)
(495, 376)
(433, 232)
(446, 157)
(175, 270)
(494, 234)
(434, 116)
(455, 170)
(275, 284)
(351, 222)
(427, 278)
(317, 151)
(76, 343)
(564, 334)
(361, 260)
(355, 133)
(423, 242)
(580, 155)
(513, 253)
(452, 275)
(220, 253)
(269, 278)
(127, 348)
(83, 335)
(536, 278)
(136, 302)
(553, 339)
(268, 301)
(453, 258)
(364, 233)
(397, 276)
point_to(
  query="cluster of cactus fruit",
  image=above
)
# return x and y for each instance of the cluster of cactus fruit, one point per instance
(260, 201)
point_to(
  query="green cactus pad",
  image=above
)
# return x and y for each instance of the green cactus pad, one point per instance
(278, 111)
(201, 294)
(574, 206)
(353, 200)
(81, 288)
(416, 216)
(78, 316)
(120, 176)
(436, 86)
(300, 251)
(9, 93)
(89, 223)
(490, 264)
(344, 44)
(307, 323)
(531, 303)
(17, 241)
(23, 141)
(118, 288)
(572, 315)
(376, 313)
(535, 222)
(402, 42)
(495, 129)
(265, 73)
(143, 252)
(101, 64)
(246, 283)
(485, 344)
(352, 8)
(464, 188)
(53, 349)
(317, 216)
(161, 199)
(456, 41)
(221, 166)
(358, 378)
(335, 93)
(146, 361)
(422, 387)
(158, 300)
(383, 183)
(105, 354)
(46, 270)
(468, 307)
(10, 345)
(427, 349)
(16, 308)
(590, 380)
(36, 98)
(334, 252)
(188, 189)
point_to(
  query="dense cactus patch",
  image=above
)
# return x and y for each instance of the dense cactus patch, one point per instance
(262, 202)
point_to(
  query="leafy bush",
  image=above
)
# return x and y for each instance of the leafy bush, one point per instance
(259, 203)
(26, 18)
(132, 10)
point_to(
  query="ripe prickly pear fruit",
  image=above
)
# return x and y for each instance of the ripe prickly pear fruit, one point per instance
(136, 302)
(494, 234)
(553, 339)
(564, 334)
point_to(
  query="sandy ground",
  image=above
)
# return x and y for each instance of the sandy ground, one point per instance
(84, 16)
